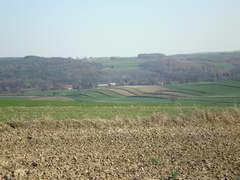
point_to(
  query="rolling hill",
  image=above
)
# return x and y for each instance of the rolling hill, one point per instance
(145, 69)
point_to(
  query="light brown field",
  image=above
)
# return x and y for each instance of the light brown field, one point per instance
(148, 89)
(137, 90)
(205, 146)
(151, 91)
(121, 91)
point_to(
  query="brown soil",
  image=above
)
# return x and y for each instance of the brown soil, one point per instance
(206, 146)
(151, 91)
(148, 89)
(122, 92)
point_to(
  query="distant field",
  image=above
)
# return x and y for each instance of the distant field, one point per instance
(208, 93)
(227, 92)
(229, 88)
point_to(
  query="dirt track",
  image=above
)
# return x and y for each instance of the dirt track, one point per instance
(207, 147)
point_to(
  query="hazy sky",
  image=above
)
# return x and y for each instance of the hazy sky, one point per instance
(81, 28)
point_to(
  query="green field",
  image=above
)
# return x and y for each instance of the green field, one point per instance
(231, 88)
(12, 109)
(115, 102)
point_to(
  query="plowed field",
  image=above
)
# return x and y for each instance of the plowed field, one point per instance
(205, 146)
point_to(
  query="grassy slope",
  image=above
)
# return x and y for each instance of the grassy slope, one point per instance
(25, 109)
(200, 93)
(210, 89)
(222, 61)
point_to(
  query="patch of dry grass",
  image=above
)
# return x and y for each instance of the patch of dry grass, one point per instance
(205, 145)
(121, 92)
(148, 89)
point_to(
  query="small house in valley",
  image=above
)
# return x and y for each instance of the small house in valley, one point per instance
(107, 85)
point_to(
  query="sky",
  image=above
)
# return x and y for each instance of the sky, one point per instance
(99, 28)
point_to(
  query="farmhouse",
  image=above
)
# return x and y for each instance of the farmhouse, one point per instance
(107, 85)
(102, 85)
(112, 84)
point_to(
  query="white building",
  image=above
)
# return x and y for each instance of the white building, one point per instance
(102, 85)
(112, 84)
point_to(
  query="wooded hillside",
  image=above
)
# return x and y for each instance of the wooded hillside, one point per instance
(145, 69)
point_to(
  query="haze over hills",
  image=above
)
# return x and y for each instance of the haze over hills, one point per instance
(144, 69)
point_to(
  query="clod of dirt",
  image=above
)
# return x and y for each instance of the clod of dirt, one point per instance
(34, 164)
(29, 137)
(12, 125)
(201, 147)
(15, 124)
